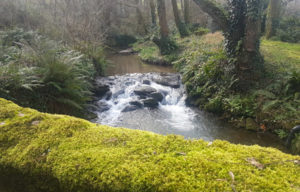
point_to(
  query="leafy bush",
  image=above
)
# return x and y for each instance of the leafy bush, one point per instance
(294, 82)
(289, 30)
(166, 45)
(43, 74)
(96, 54)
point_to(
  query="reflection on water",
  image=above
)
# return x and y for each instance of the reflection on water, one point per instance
(123, 64)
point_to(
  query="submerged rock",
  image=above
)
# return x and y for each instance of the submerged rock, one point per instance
(170, 80)
(157, 96)
(118, 93)
(100, 89)
(144, 91)
(136, 103)
(108, 95)
(130, 108)
(150, 102)
(146, 82)
(103, 106)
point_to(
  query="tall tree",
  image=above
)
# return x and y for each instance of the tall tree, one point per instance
(273, 16)
(141, 26)
(165, 44)
(162, 16)
(242, 32)
(153, 14)
(187, 12)
(180, 26)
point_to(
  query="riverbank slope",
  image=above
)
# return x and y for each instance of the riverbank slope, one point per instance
(271, 104)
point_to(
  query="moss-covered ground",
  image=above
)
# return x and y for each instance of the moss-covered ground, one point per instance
(271, 104)
(43, 152)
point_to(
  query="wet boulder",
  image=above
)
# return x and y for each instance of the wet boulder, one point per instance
(130, 108)
(100, 89)
(150, 102)
(107, 95)
(170, 80)
(146, 82)
(144, 91)
(136, 103)
(157, 96)
(118, 93)
(103, 106)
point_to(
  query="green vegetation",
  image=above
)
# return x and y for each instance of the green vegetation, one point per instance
(43, 152)
(46, 75)
(150, 53)
(273, 103)
(288, 30)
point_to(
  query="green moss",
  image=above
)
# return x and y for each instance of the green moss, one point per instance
(43, 152)
(281, 55)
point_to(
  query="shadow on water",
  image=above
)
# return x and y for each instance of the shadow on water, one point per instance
(172, 116)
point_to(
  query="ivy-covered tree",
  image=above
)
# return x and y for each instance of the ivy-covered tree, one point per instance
(273, 16)
(241, 26)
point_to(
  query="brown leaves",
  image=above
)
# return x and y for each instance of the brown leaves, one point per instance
(255, 163)
(263, 127)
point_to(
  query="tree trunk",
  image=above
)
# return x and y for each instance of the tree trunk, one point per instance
(242, 31)
(187, 12)
(180, 26)
(218, 15)
(153, 14)
(141, 26)
(162, 16)
(273, 17)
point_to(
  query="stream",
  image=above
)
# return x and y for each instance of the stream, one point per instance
(152, 98)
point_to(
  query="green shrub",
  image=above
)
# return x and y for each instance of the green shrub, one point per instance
(240, 106)
(215, 105)
(166, 45)
(293, 84)
(289, 30)
(96, 54)
(43, 74)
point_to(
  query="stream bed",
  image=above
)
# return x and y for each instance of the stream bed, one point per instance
(152, 98)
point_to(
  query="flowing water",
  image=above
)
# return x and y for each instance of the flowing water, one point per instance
(172, 116)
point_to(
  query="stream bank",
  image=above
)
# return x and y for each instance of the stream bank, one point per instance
(271, 105)
(138, 97)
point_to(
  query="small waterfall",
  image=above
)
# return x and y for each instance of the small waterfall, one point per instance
(156, 102)
(122, 93)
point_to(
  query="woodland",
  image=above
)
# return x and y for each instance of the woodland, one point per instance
(211, 89)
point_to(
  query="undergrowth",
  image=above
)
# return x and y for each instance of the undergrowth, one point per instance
(43, 74)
